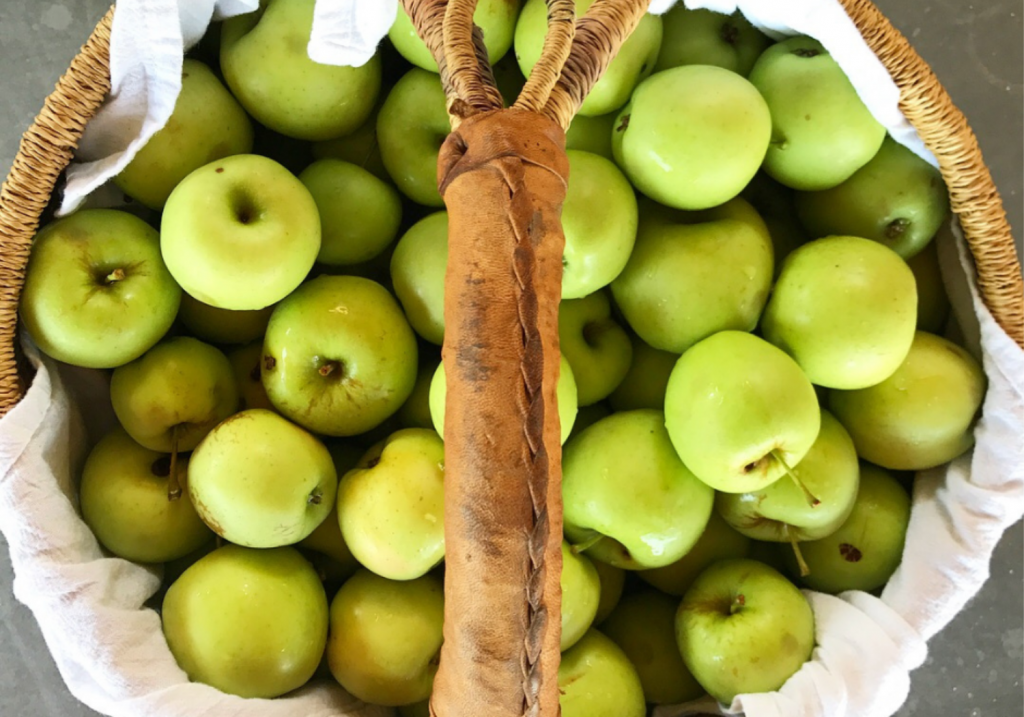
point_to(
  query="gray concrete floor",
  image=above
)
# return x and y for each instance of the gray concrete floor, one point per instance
(976, 665)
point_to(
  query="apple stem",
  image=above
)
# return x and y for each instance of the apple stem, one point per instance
(173, 484)
(115, 276)
(738, 603)
(812, 500)
(587, 544)
(805, 570)
(328, 368)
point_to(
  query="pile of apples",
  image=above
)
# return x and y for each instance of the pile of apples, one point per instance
(748, 329)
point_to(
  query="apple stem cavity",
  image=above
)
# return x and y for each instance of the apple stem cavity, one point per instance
(316, 497)
(587, 544)
(330, 367)
(812, 500)
(805, 570)
(173, 484)
(896, 228)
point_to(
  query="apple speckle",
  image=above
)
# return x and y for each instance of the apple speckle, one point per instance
(730, 33)
(850, 553)
(269, 363)
(623, 124)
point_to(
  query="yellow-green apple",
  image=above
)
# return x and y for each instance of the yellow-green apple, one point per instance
(597, 348)
(743, 627)
(339, 357)
(207, 124)
(251, 623)
(128, 502)
(495, 18)
(613, 580)
(391, 505)
(385, 637)
(222, 326)
(932, 302)
(171, 397)
(592, 134)
(265, 61)
(704, 37)
(359, 147)
(821, 130)
(596, 679)
(415, 412)
(581, 595)
(245, 364)
(240, 233)
(629, 500)
(694, 274)
(260, 481)
(359, 213)
(109, 304)
(643, 626)
(417, 272)
(633, 62)
(693, 136)
(922, 415)
(739, 411)
(645, 382)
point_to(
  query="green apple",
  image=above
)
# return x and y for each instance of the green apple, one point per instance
(245, 364)
(922, 415)
(821, 130)
(693, 136)
(170, 398)
(596, 347)
(495, 18)
(339, 357)
(692, 275)
(260, 481)
(719, 541)
(742, 628)
(265, 61)
(565, 393)
(418, 267)
(628, 499)
(128, 502)
(109, 305)
(207, 124)
(240, 233)
(846, 309)
(704, 37)
(223, 326)
(592, 134)
(897, 199)
(415, 412)
(633, 62)
(777, 206)
(866, 550)
(411, 127)
(739, 411)
(385, 637)
(781, 512)
(587, 416)
(599, 218)
(391, 505)
(932, 302)
(613, 580)
(359, 213)
(643, 625)
(645, 382)
(251, 623)
(596, 679)
(581, 595)
(359, 147)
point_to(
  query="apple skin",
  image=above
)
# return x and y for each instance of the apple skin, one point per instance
(932, 302)
(339, 357)
(385, 637)
(704, 37)
(222, 326)
(736, 404)
(623, 482)
(265, 62)
(260, 481)
(599, 219)
(896, 199)
(645, 383)
(411, 127)
(391, 505)
(866, 550)
(632, 63)
(240, 233)
(170, 398)
(359, 213)
(613, 580)
(719, 541)
(596, 679)
(581, 595)
(780, 512)
(846, 309)
(742, 628)
(821, 131)
(84, 312)
(922, 415)
(124, 499)
(359, 147)
(643, 626)
(207, 124)
(692, 275)
(495, 18)
(566, 395)
(592, 134)
(692, 137)
(246, 365)
(596, 347)
(418, 268)
(251, 623)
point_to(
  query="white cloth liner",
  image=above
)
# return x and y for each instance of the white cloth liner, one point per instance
(110, 649)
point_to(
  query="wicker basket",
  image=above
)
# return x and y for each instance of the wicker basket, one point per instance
(550, 99)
